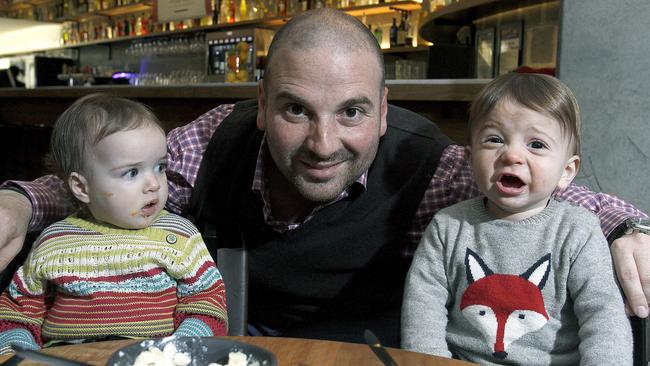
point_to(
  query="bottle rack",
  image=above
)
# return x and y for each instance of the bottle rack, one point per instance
(145, 6)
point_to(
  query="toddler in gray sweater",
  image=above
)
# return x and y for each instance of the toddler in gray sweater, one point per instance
(515, 277)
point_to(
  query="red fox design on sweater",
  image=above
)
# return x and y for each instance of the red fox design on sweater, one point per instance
(504, 307)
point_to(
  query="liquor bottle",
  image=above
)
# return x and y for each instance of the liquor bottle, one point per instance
(109, 29)
(132, 25)
(401, 32)
(216, 9)
(65, 12)
(379, 34)
(74, 36)
(223, 12)
(146, 27)
(117, 29)
(282, 8)
(243, 10)
(72, 8)
(126, 29)
(83, 6)
(232, 10)
(393, 33)
(408, 29)
(138, 26)
(152, 26)
(65, 34)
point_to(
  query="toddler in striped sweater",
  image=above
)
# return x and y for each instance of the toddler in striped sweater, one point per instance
(122, 265)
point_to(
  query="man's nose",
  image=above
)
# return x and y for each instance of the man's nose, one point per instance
(323, 137)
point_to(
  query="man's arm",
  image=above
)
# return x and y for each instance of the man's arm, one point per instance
(31, 206)
(453, 182)
(15, 211)
(631, 254)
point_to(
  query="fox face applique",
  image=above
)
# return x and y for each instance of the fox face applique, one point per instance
(504, 307)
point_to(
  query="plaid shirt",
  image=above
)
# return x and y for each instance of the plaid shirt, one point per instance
(452, 182)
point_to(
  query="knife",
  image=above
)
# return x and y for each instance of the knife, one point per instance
(378, 349)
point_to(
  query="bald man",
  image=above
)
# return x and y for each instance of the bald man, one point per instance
(329, 187)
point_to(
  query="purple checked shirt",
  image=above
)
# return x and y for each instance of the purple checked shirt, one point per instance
(452, 182)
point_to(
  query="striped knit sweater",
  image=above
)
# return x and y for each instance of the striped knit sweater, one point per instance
(84, 280)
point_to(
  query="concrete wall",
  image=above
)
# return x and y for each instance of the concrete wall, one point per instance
(605, 58)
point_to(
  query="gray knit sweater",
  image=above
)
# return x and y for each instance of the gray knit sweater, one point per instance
(538, 291)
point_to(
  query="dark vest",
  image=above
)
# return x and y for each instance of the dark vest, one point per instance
(346, 261)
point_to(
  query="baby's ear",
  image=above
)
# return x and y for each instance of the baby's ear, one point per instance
(79, 187)
(570, 171)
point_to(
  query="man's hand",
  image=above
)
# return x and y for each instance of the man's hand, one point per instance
(631, 255)
(15, 213)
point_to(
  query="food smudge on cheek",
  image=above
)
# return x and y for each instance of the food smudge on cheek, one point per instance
(133, 213)
(108, 194)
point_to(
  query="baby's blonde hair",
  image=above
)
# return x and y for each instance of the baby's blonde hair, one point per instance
(87, 121)
(542, 93)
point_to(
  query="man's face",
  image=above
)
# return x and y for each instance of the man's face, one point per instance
(125, 183)
(323, 115)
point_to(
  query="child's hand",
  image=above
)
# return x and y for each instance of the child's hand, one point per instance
(16, 337)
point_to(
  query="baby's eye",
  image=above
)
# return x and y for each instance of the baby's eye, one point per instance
(494, 139)
(131, 173)
(537, 145)
(161, 167)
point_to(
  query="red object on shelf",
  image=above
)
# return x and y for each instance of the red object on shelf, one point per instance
(530, 70)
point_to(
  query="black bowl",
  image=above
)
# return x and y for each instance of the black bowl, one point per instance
(202, 350)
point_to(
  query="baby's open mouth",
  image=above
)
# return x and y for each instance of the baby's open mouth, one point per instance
(511, 181)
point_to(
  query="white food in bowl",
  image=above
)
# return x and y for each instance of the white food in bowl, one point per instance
(167, 357)
(234, 359)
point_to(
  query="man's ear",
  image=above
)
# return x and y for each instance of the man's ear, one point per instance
(79, 187)
(570, 171)
(261, 100)
(384, 113)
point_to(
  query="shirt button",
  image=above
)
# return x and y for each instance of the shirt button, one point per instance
(171, 238)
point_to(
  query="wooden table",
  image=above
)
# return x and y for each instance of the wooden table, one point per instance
(289, 352)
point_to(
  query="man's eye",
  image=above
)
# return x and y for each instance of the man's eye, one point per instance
(296, 109)
(131, 173)
(351, 112)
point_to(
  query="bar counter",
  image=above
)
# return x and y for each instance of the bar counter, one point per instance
(26, 115)
(180, 104)
(435, 90)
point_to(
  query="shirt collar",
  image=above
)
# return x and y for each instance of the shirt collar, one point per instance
(260, 187)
